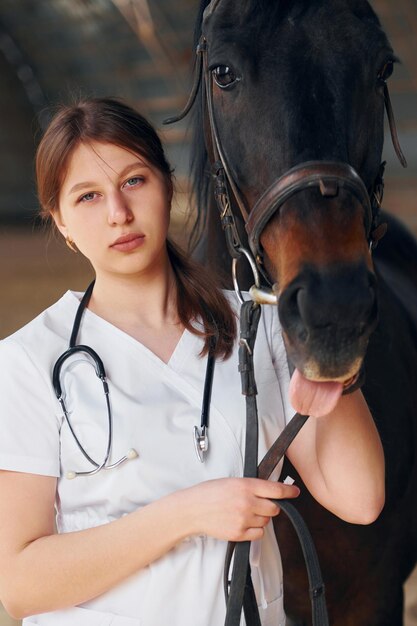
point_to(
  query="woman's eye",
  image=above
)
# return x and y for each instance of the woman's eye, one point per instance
(135, 180)
(87, 197)
(386, 71)
(224, 76)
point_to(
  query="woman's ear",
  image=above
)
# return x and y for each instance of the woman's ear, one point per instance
(59, 223)
(170, 192)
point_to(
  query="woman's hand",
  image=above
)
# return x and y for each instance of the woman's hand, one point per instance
(235, 509)
(46, 572)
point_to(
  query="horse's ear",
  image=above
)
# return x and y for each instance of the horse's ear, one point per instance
(199, 21)
(242, 7)
(210, 8)
(363, 10)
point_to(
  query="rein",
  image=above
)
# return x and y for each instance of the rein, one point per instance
(239, 591)
(328, 177)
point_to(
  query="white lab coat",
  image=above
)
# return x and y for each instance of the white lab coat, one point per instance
(155, 407)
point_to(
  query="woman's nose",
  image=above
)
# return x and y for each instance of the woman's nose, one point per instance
(119, 211)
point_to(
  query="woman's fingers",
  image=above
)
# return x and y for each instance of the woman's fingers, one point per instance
(264, 507)
(253, 534)
(230, 508)
(256, 526)
(267, 506)
(260, 521)
(272, 490)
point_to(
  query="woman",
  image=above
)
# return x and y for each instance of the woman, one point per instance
(144, 542)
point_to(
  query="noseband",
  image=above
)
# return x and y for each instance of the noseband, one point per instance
(327, 176)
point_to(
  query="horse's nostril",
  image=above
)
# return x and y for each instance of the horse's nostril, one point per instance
(373, 307)
(291, 313)
(300, 328)
(301, 297)
(303, 335)
(302, 307)
(339, 305)
(372, 285)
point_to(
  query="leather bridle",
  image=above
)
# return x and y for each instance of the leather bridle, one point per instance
(327, 176)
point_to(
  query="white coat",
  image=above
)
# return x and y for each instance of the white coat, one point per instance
(155, 407)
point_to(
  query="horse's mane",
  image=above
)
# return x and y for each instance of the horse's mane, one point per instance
(199, 157)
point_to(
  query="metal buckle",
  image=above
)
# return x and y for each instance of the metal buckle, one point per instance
(258, 294)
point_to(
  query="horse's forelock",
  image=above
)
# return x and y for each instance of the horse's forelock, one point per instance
(243, 10)
(240, 12)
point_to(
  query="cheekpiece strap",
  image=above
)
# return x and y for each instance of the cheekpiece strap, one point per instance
(221, 194)
(376, 195)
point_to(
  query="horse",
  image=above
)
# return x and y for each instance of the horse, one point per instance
(289, 104)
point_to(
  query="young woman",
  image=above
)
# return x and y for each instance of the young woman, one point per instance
(143, 542)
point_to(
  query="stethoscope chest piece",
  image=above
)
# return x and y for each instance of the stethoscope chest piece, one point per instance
(201, 442)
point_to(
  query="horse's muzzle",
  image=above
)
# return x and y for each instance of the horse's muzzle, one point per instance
(327, 316)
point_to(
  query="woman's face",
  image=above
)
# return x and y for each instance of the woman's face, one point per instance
(115, 206)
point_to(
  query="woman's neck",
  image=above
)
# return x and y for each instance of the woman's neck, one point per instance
(144, 307)
(134, 302)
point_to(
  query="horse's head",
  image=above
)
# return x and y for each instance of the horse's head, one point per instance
(298, 103)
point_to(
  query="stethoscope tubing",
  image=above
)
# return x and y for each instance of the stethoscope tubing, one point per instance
(101, 374)
(200, 435)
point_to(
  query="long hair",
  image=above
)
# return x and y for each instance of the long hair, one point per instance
(109, 120)
(199, 160)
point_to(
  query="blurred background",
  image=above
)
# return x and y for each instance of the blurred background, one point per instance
(53, 51)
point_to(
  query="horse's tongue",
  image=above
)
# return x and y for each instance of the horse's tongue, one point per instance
(313, 398)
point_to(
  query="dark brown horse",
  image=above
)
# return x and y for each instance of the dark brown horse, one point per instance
(298, 90)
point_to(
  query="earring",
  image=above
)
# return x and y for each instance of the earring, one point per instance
(70, 243)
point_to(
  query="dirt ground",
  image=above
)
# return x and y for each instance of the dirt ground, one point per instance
(35, 270)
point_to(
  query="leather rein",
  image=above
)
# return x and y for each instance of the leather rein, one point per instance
(328, 177)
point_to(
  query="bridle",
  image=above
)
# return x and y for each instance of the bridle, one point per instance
(328, 177)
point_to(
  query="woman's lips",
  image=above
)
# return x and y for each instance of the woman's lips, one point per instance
(126, 243)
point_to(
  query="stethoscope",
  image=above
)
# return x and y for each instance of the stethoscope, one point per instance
(200, 435)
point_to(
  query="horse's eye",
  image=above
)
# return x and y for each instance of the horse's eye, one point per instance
(386, 71)
(224, 76)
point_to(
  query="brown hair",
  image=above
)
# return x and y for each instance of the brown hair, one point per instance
(111, 121)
